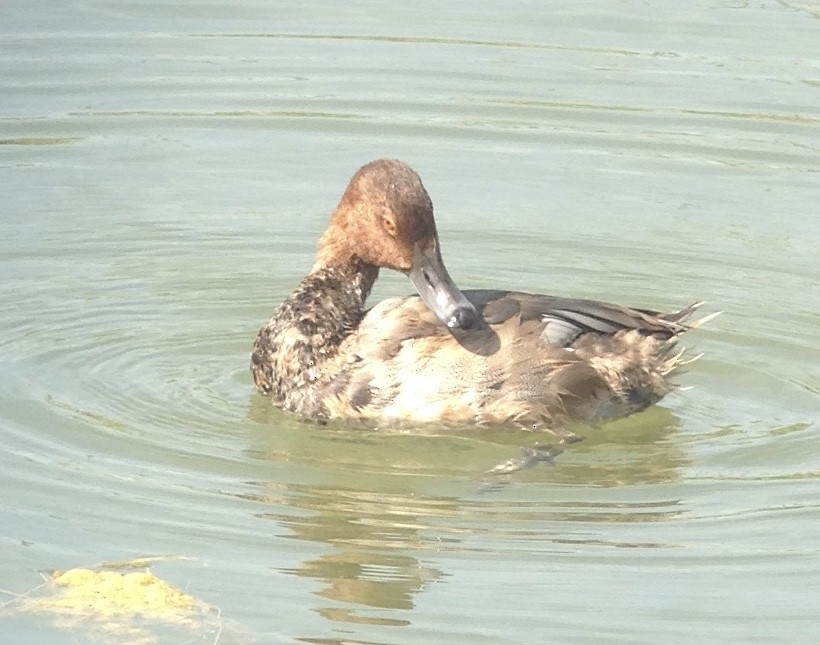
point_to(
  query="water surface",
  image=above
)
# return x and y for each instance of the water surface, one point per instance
(165, 172)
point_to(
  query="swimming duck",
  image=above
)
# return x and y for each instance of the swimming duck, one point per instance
(481, 357)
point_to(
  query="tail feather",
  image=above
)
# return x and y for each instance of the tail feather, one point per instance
(702, 321)
(682, 316)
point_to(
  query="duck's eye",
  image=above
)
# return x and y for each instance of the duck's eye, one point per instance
(389, 225)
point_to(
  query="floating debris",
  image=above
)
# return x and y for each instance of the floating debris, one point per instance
(126, 600)
(530, 456)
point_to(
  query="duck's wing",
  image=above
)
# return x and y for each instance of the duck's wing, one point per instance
(565, 319)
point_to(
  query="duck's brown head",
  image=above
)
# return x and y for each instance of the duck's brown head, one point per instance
(385, 219)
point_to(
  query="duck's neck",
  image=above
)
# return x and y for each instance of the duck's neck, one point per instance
(334, 296)
(323, 310)
(295, 350)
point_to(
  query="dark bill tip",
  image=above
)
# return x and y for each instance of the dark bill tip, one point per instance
(463, 317)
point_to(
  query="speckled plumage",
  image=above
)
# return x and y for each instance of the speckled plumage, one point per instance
(292, 351)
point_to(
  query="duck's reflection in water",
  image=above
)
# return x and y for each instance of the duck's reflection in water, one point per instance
(382, 501)
(373, 536)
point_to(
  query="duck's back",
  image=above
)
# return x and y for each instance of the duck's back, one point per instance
(537, 361)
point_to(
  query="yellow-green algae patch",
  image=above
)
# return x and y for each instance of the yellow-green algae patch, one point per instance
(113, 593)
(127, 602)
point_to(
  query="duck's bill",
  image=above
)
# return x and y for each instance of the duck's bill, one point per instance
(430, 278)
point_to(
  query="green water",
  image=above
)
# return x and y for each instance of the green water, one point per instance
(165, 171)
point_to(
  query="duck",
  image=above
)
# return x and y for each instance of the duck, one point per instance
(484, 357)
